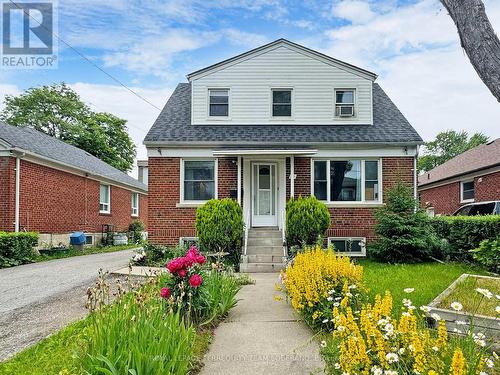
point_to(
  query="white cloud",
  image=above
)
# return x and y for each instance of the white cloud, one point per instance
(355, 11)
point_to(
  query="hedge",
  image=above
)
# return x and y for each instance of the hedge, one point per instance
(464, 233)
(16, 248)
(307, 220)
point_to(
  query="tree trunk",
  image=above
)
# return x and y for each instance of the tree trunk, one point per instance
(478, 39)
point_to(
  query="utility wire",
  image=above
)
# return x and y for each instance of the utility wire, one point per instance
(87, 59)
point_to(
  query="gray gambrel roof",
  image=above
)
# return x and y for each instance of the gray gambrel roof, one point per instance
(173, 127)
(44, 146)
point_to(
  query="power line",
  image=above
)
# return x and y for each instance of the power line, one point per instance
(87, 59)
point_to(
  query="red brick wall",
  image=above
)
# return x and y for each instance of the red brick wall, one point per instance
(227, 176)
(446, 198)
(167, 222)
(53, 201)
(7, 193)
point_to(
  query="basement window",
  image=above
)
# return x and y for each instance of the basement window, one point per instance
(352, 246)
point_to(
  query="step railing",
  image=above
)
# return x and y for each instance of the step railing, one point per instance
(247, 227)
(283, 231)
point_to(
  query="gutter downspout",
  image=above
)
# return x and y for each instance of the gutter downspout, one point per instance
(415, 178)
(17, 199)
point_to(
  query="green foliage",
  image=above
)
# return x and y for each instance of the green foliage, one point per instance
(464, 233)
(17, 248)
(58, 111)
(158, 255)
(135, 335)
(217, 296)
(488, 254)
(307, 220)
(446, 146)
(135, 229)
(219, 227)
(404, 232)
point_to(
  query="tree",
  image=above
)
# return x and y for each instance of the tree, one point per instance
(404, 233)
(478, 39)
(446, 146)
(58, 111)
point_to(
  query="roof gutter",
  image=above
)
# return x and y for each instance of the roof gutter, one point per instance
(69, 166)
(272, 144)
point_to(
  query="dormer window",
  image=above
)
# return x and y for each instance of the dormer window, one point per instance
(282, 102)
(344, 103)
(218, 102)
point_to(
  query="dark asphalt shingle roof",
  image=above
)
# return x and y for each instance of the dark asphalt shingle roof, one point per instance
(49, 147)
(173, 125)
(477, 158)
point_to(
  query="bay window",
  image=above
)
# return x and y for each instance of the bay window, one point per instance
(352, 180)
(198, 180)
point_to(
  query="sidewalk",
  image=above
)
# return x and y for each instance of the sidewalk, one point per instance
(262, 336)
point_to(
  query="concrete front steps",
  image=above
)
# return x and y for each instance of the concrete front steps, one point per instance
(264, 251)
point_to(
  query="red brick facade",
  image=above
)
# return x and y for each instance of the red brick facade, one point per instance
(445, 198)
(168, 221)
(54, 201)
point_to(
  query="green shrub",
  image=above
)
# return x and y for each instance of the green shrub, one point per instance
(307, 219)
(219, 227)
(464, 233)
(135, 229)
(404, 232)
(17, 248)
(157, 255)
(488, 254)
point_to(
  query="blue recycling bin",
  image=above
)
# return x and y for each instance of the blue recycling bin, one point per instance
(77, 238)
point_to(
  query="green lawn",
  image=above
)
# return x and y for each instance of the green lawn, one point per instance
(428, 279)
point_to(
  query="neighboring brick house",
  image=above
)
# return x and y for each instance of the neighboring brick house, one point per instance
(277, 122)
(53, 188)
(473, 176)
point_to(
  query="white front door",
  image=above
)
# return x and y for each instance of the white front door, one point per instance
(264, 194)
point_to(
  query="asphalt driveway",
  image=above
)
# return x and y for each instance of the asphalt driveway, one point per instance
(38, 299)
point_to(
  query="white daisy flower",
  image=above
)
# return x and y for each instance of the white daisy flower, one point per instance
(336, 304)
(330, 298)
(377, 370)
(457, 306)
(337, 366)
(323, 344)
(435, 348)
(390, 372)
(341, 328)
(425, 309)
(325, 321)
(497, 309)
(391, 357)
(401, 351)
(409, 290)
(485, 292)
(489, 363)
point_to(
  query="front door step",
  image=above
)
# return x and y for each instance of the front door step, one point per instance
(261, 267)
(264, 258)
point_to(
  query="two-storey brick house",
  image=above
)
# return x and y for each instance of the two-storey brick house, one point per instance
(276, 122)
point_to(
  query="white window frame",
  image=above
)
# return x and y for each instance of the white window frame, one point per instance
(136, 209)
(182, 240)
(354, 106)
(363, 200)
(462, 200)
(216, 177)
(349, 253)
(292, 106)
(221, 118)
(108, 204)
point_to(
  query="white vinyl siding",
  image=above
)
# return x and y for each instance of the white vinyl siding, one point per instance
(313, 81)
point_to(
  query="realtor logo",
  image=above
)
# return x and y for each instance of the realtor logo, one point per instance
(28, 35)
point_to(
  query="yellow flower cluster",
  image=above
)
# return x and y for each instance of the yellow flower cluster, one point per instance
(315, 273)
(373, 342)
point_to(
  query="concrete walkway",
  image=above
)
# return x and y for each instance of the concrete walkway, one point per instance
(262, 336)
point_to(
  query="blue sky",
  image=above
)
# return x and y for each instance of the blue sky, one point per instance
(152, 45)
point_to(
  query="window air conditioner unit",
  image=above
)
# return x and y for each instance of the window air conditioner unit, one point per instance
(345, 110)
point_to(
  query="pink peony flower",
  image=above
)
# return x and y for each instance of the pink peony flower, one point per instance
(195, 280)
(182, 273)
(177, 264)
(165, 293)
(200, 259)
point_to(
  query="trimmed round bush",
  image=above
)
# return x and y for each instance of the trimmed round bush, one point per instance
(219, 226)
(307, 220)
